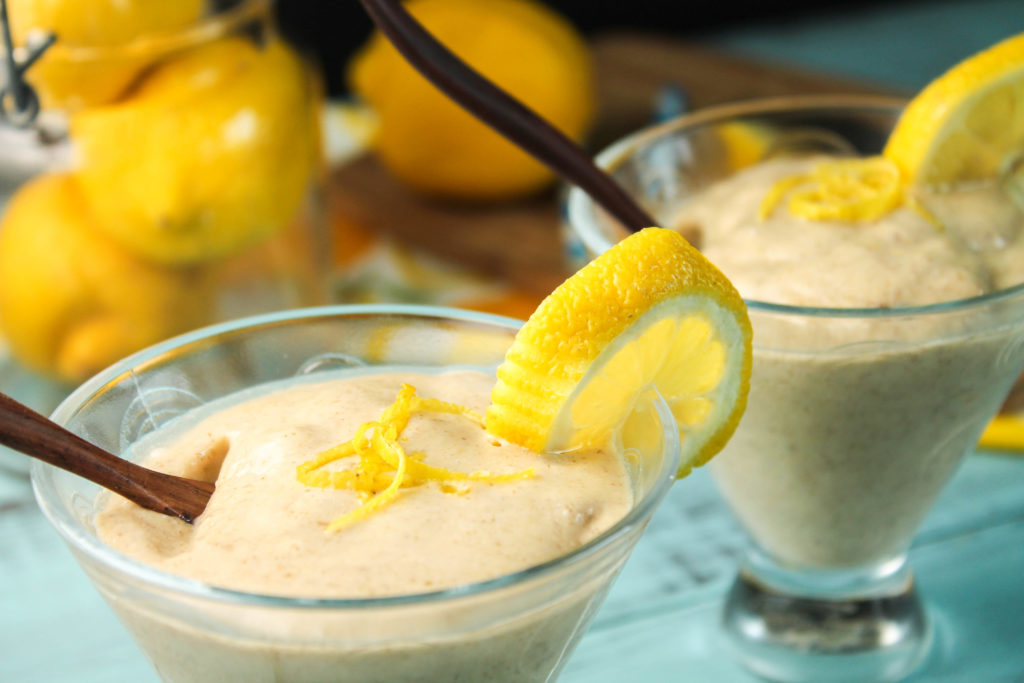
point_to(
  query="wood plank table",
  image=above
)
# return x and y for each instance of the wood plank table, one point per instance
(659, 622)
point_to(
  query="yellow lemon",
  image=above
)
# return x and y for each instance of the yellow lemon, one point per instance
(433, 144)
(100, 45)
(965, 125)
(72, 301)
(99, 22)
(212, 153)
(1004, 432)
(650, 313)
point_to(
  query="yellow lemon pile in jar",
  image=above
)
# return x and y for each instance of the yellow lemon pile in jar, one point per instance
(195, 138)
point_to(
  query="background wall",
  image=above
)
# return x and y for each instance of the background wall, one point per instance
(331, 30)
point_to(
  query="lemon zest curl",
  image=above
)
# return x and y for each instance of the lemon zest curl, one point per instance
(844, 189)
(384, 467)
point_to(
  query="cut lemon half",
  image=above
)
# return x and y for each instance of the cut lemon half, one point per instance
(651, 313)
(968, 124)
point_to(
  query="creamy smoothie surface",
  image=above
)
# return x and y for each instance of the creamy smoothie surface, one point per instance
(899, 259)
(264, 531)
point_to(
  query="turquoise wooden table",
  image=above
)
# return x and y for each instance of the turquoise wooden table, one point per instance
(659, 622)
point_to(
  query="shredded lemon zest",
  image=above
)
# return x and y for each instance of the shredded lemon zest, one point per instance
(845, 189)
(376, 502)
(384, 467)
(776, 193)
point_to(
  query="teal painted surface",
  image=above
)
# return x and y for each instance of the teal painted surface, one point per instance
(903, 46)
(658, 623)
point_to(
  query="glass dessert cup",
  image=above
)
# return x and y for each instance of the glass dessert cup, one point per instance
(517, 627)
(856, 417)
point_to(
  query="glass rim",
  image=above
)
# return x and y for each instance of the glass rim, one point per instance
(73, 532)
(579, 206)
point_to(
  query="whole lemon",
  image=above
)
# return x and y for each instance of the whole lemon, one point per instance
(212, 153)
(90, 63)
(71, 300)
(434, 145)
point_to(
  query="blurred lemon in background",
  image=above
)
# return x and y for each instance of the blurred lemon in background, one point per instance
(99, 22)
(88, 64)
(72, 301)
(429, 142)
(211, 153)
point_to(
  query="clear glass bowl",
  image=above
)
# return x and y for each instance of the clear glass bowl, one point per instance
(856, 417)
(520, 627)
(172, 180)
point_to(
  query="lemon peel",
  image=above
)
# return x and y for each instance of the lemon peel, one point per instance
(856, 190)
(384, 467)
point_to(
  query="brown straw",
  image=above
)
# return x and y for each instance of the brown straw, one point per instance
(25, 430)
(502, 112)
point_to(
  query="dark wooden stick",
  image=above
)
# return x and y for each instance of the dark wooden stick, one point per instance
(25, 430)
(502, 112)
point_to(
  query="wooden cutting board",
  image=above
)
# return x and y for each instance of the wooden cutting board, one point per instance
(519, 242)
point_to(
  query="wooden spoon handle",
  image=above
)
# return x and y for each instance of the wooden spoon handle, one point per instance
(502, 112)
(25, 430)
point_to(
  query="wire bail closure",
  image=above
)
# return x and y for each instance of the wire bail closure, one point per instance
(19, 102)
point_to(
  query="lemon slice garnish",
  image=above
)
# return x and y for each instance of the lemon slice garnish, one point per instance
(967, 125)
(650, 313)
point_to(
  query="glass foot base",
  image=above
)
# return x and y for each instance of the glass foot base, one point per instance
(785, 637)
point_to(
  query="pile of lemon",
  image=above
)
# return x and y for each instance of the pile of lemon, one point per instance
(189, 149)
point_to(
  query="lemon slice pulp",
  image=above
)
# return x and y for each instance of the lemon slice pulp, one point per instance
(651, 314)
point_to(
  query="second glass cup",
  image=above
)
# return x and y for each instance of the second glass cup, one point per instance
(856, 419)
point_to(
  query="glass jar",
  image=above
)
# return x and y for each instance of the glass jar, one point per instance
(173, 178)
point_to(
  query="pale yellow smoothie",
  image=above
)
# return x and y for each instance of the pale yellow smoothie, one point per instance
(264, 532)
(854, 424)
